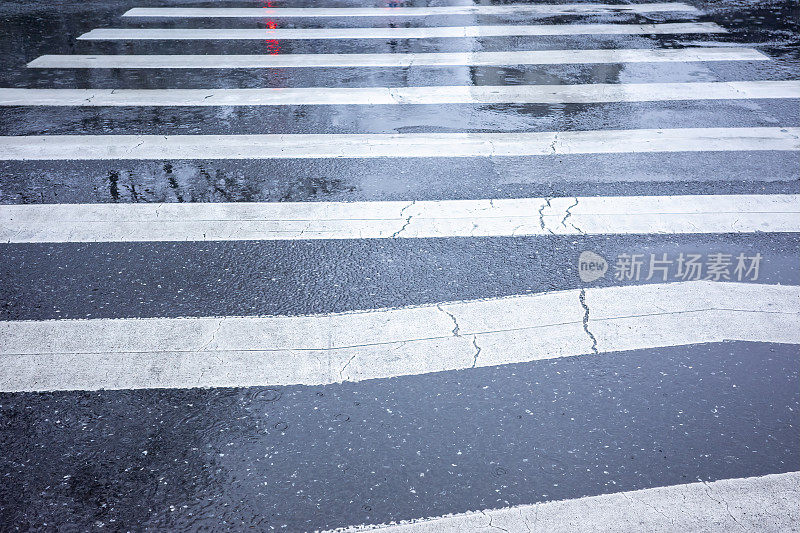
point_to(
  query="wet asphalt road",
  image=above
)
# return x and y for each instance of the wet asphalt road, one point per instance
(35, 29)
(121, 280)
(299, 458)
(307, 458)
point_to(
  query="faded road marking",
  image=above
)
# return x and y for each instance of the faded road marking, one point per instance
(534, 57)
(132, 34)
(136, 222)
(529, 9)
(322, 349)
(481, 94)
(767, 503)
(394, 145)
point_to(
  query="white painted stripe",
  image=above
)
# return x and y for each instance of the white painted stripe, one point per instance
(536, 57)
(383, 220)
(249, 351)
(767, 503)
(483, 94)
(132, 34)
(531, 9)
(359, 145)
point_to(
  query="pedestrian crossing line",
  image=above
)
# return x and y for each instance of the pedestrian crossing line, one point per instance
(395, 145)
(525, 57)
(456, 94)
(132, 34)
(36, 223)
(141, 353)
(750, 504)
(528, 9)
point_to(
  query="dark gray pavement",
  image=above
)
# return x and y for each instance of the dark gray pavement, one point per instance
(126, 280)
(299, 458)
(311, 180)
(308, 458)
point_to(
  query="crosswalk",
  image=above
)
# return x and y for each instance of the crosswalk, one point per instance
(319, 350)
(453, 94)
(573, 341)
(105, 34)
(530, 9)
(516, 57)
(592, 215)
(359, 145)
(751, 504)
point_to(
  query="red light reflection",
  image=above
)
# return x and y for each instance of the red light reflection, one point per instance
(273, 45)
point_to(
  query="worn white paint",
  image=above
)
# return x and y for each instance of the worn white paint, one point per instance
(383, 220)
(528, 9)
(453, 94)
(767, 503)
(359, 145)
(321, 349)
(525, 57)
(428, 32)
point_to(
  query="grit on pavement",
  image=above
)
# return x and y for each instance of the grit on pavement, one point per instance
(423, 266)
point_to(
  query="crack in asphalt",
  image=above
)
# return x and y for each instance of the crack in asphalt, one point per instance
(582, 298)
(213, 335)
(341, 372)
(453, 318)
(568, 213)
(541, 212)
(525, 519)
(401, 230)
(491, 525)
(553, 144)
(402, 211)
(477, 350)
(135, 147)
